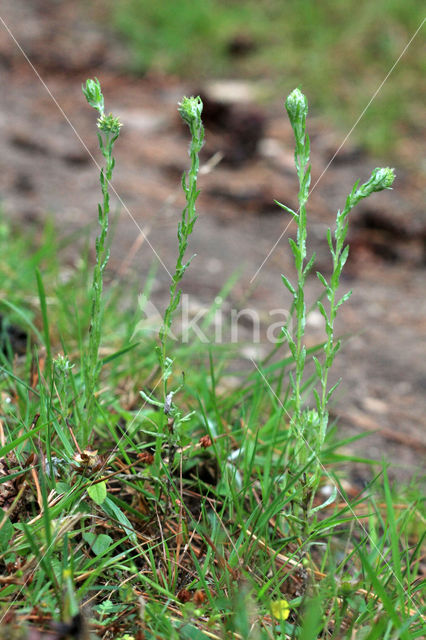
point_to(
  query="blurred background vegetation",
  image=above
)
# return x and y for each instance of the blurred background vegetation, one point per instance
(338, 52)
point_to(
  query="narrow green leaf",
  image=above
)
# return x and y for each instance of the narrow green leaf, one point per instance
(309, 265)
(318, 367)
(119, 353)
(6, 531)
(393, 533)
(288, 285)
(343, 299)
(24, 317)
(333, 389)
(329, 500)
(322, 279)
(330, 241)
(283, 206)
(323, 311)
(44, 315)
(12, 445)
(115, 512)
(381, 592)
(296, 252)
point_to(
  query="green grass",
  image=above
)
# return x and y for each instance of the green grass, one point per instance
(200, 519)
(338, 52)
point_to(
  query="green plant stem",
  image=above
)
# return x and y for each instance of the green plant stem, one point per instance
(190, 110)
(379, 180)
(309, 426)
(297, 109)
(109, 131)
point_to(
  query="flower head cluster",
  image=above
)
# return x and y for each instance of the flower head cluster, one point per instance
(93, 94)
(381, 178)
(62, 364)
(190, 109)
(297, 107)
(109, 124)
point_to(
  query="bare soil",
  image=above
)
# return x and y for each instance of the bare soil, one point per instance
(48, 151)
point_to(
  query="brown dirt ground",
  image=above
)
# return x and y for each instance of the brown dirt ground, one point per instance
(45, 169)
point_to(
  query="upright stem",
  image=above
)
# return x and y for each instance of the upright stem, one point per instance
(309, 426)
(190, 110)
(109, 127)
(297, 109)
(379, 180)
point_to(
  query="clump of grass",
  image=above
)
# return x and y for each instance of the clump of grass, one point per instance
(222, 533)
